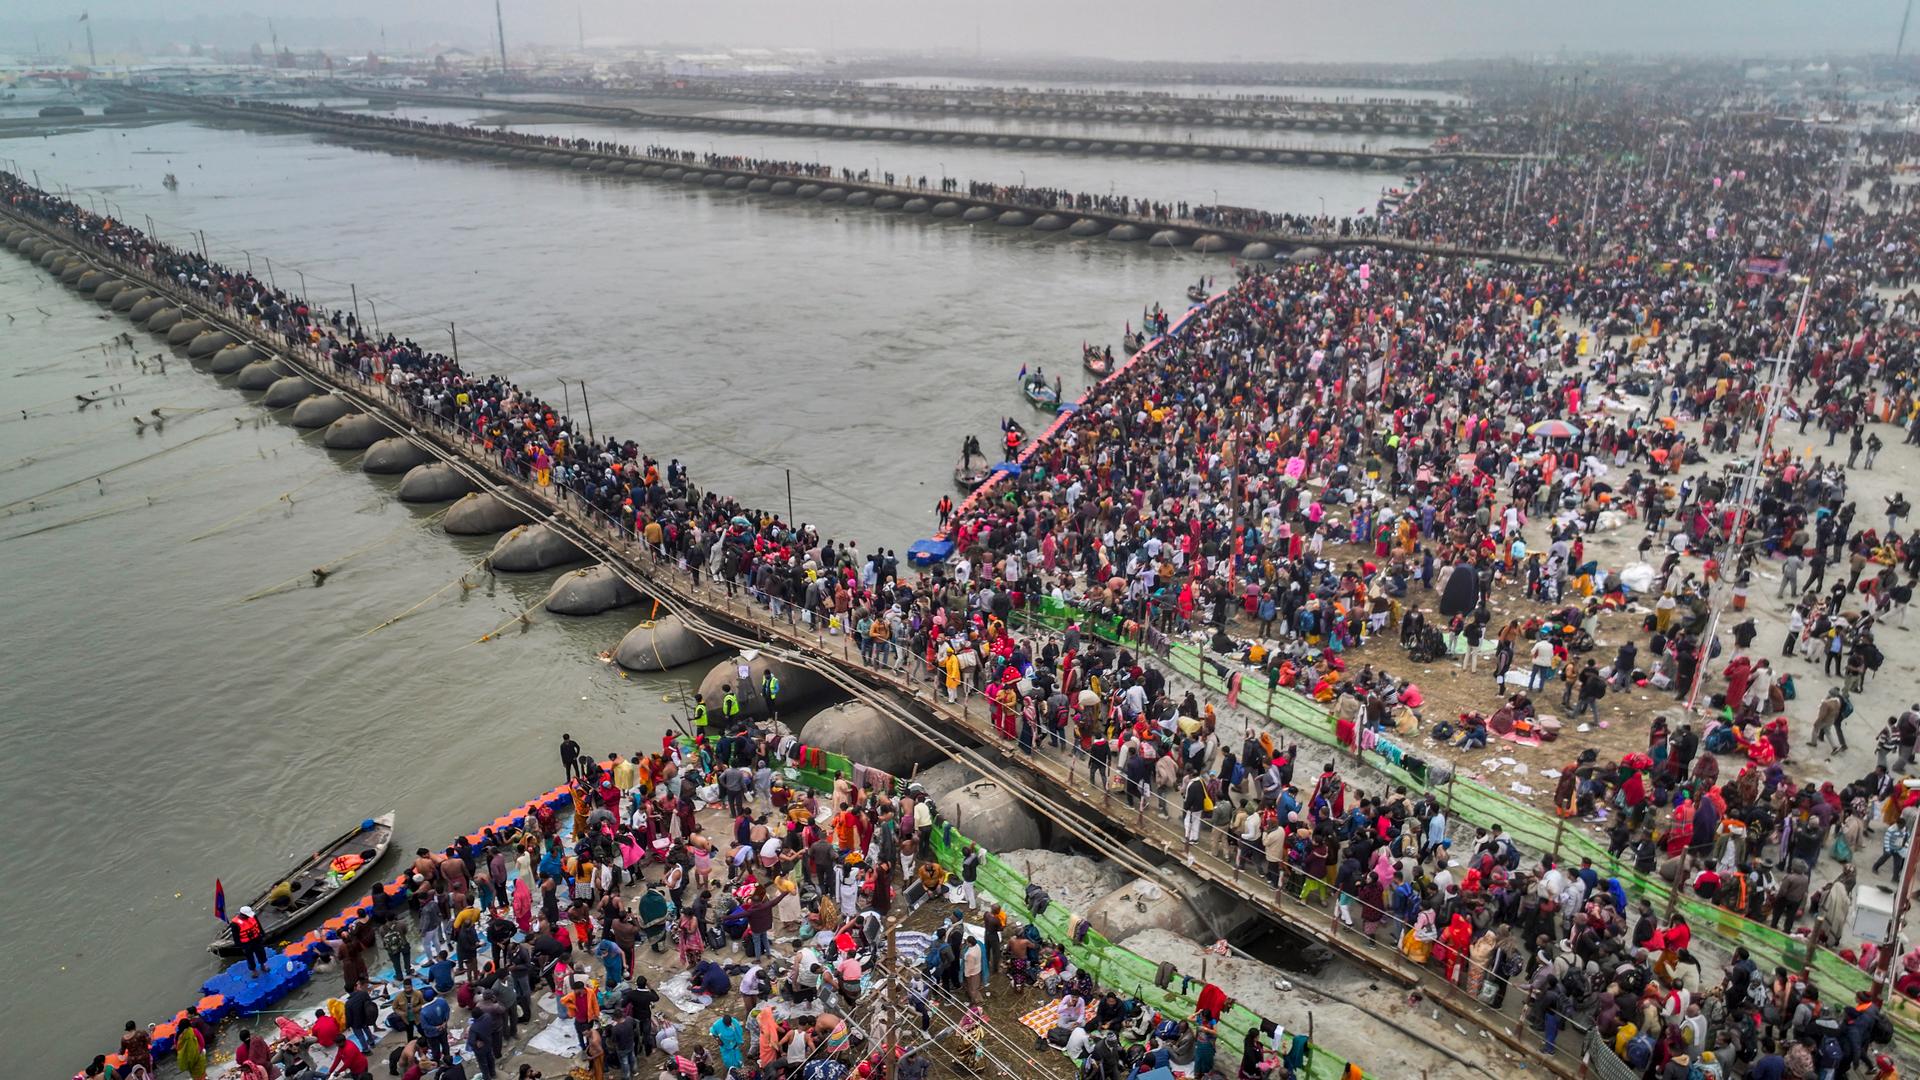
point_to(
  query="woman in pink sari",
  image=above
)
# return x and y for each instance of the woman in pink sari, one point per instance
(691, 947)
(522, 902)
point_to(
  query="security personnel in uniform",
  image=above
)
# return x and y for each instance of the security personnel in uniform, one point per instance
(729, 706)
(770, 692)
(699, 716)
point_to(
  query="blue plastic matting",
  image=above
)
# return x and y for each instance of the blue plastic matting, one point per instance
(249, 992)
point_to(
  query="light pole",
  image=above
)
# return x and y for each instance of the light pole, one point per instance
(272, 284)
(1884, 969)
(303, 291)
(376, 318)
(455, 335)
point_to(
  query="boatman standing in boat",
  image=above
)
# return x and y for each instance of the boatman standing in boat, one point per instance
(250, 938)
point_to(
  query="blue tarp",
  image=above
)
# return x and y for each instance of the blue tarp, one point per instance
(928, 552)
(1011, 468)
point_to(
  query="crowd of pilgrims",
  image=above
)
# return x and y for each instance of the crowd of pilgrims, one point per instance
(1382, 401)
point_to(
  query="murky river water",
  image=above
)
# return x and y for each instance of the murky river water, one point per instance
(160, 730)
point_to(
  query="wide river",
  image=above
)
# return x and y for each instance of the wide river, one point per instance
(162, 729)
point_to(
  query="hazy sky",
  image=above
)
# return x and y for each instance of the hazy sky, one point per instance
(1129, 29)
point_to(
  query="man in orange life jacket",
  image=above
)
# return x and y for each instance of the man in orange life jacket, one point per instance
(251, 938)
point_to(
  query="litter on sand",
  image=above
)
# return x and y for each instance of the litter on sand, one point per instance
(556, 1039)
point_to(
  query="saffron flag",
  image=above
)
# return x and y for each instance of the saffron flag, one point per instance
(219, 900)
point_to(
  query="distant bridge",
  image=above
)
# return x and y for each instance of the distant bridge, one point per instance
(1407, 159)
(1387, 119)
(1203, 237)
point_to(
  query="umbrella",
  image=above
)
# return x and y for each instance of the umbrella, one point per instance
(1554, 429)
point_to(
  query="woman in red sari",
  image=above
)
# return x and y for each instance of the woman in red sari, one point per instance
(1452, 948)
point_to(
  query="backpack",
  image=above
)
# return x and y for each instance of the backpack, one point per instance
(1640, 1050)
(1574, 983)
(1882, 1030)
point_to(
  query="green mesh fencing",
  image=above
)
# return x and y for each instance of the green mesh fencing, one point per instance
(1111, 965)
(1529, 826)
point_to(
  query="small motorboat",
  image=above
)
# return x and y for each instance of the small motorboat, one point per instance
(1196, 294)
(1040, 393)
(1097, 360)
(1134, 341)
(321, 877)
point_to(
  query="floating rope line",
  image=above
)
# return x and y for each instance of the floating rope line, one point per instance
(284, 497)
(148, 499)
(59, 450)
(109, 472)
(319, 573)
(461, 580)
(495, 632)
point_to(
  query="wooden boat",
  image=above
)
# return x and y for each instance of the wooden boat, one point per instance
(1097, 360)
(1134, 341)
(1196, 294)
(972, 471)
(1039, 391)
(316, 881)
